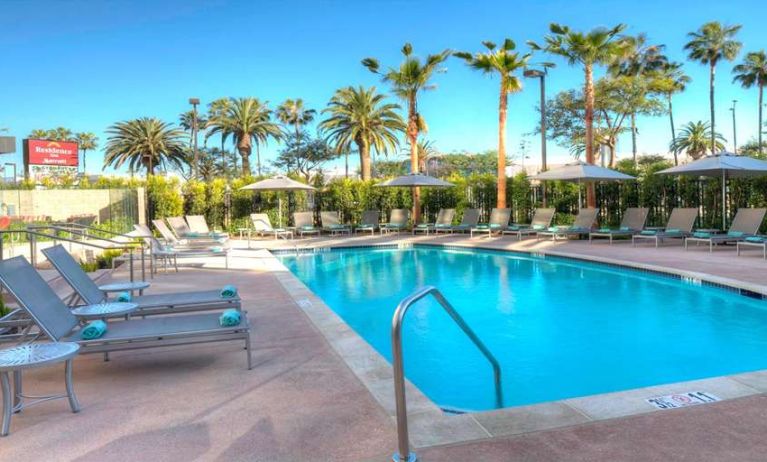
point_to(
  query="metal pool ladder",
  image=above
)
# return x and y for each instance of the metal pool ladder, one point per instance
(403, 443)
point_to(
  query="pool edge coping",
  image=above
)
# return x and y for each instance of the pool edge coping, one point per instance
(431, 426)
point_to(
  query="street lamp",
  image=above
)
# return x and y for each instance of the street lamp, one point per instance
(194, 102)
(541, 74)
(734, 128)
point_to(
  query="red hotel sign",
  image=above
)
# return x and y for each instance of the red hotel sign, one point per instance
(58, 153)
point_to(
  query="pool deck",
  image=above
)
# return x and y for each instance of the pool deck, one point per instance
(305, 400)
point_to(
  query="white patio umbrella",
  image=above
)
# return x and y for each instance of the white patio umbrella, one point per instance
(279, 183)
(415, 179)
(581, 171)
(723, 165)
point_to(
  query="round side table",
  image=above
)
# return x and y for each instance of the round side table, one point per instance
(17, 359)
(128, 286)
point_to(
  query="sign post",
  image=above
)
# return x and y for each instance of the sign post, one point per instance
(45, 158)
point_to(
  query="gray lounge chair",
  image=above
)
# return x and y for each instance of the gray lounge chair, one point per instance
(633, 222)
(304, 223)
(444, 221)
(397, 221)
(331, 223)
(169, 255)
(753, 242)
(88, 291)
(262, 226)
(499, 220)
(583, 225)
(199, 228)
(370, 222)
(179, 226)
(170, 238)
(746, 223)
(469, 220)
(679, 226)
(56, 321)
(540, 222)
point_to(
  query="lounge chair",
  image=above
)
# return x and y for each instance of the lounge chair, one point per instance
(88, 291)
(633, 222)
(397, 221)
(444, 221)
(169, 255)
(746, 224)
(499, 220)
(331, 223)
(56, 321)
(583, 225)
(304, 223)
(679, 226)
(179, 226)
(469, 220)
(262, 226)
(757, 242)
(540, 222)
(370, 222)
(170, 238)
(199, 228)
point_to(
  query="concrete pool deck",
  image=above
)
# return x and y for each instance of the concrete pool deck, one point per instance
(303, 401)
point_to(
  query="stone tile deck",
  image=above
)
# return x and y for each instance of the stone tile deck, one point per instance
(301, 402)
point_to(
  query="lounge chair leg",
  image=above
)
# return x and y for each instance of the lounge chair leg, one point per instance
(73, 403)
(7, 403)
(247, 347)
(106, 356)
(17, 390)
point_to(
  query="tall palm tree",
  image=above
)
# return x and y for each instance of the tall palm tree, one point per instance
(39, 134)
(753, 72)
(62, 134)
(363, 117)
(709, 45)
(246, 120)
(215, 109)
(146, 142)
(86, 141)
(671, 80)
(694, 139)
(505, 62)
(293, 113)
(411, 77)
(595, 47)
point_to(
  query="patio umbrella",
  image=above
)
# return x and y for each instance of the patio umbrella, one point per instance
(413, 180)
(723, 165)
(581, 171)
(279, 183)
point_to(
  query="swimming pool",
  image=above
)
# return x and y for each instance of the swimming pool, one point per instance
(560, 328)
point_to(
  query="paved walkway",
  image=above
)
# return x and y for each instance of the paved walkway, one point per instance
(302, 403)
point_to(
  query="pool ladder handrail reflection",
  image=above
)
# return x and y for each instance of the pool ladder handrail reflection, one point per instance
(403, 444)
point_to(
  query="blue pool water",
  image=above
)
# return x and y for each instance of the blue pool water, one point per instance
(559, 328)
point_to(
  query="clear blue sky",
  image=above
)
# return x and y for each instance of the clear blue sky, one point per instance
(88, 64)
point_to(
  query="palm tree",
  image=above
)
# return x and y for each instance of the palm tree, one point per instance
(215, 109)
(694, 139)
(598, 46)
(293, 113)
(146, 142)
(247, 120)
(753, 71)
(62, 134)
(87, 141)
(411, 77)
(708, 45)
(39, 134)
(361, 116)
(506, 63)
(671, 79)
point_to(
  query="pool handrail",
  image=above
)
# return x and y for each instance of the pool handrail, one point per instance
(403, 444)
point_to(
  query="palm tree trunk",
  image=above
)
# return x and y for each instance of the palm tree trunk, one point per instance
(223, 158)
(412, 135)
(759, 127)
(673, 131)
(712, 74)
(633, 137)
(245, 149)
(85, 150)
(364, 150)
(591, 199)
(258, 158)
(503, 104)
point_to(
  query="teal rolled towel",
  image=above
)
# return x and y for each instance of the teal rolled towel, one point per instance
(217, 249)
(229, 291)
(648, 232)
(124, 297)
(701, 234)
(673, 231)
(735, 233)
(230, 318)
(604, 230)
(93, 330)
(539, 227)
(192, 234)
(756, 239)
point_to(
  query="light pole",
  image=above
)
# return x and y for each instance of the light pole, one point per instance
(734, 129)
(194, 102)
(11, 164)
(541, 74)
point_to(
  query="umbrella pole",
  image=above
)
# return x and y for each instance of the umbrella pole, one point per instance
(724, 199)
(279, 208)
(579, 195)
